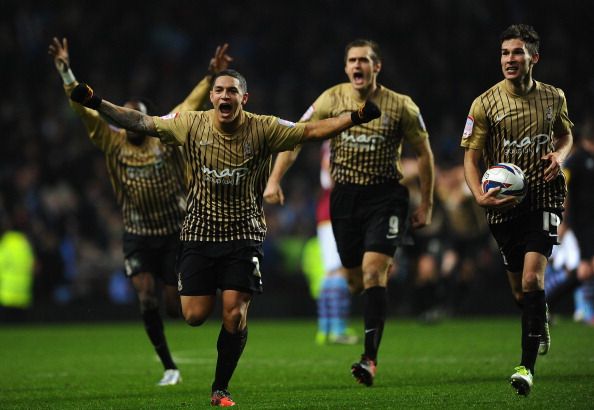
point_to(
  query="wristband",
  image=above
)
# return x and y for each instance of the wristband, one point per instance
(84, 95)
(67, 76)
(357, 116)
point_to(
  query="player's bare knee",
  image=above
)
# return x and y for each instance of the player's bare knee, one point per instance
(194, 319)
(530, 282)
(374, 277)
(355, 287)
(233, 319)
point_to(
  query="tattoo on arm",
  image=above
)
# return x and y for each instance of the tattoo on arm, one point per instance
(129, 119)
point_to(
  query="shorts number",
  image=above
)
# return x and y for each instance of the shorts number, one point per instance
(550, 223)
(256, 263)
(394, 225)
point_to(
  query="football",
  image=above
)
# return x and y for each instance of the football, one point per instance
(509, 177)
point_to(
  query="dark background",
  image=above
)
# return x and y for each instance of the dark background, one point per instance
(53, 181)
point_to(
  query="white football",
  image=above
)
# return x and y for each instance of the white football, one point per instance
(509, 177)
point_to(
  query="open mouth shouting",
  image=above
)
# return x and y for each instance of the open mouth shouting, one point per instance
(358, 78)
(226, 110)
(511, 69)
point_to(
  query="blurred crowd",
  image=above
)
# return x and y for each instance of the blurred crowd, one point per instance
(53, 182)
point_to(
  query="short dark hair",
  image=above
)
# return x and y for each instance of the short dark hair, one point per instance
(361, 42)
(234, 74)
(525, 33)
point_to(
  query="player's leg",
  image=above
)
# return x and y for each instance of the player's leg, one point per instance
(534, 312)
(323, 310)
(515, 284)
(521, 380)
(196, 282)
(375, 305)
(172, 301)
(144, 284)
(168, 249)
(533, 320)
(196, 309)
(334, 304)
(375, 281)
(340, 308)
(232, 337)
(141, 264)
(239, 279)
(540, 236)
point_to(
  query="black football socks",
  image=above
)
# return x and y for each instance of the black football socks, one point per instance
(374, 314)
(533, 320)
(153, 325)
(230, 347)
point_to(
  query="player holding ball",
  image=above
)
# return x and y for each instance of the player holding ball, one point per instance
(523, 122)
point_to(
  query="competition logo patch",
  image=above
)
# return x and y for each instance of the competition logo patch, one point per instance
(468, 127)
(171, 116)
(286, 123)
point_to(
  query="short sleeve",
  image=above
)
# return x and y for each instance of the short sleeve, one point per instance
(476, 127)
(173, 128)
(563, 124)
(319, 110)
(284, 135)
(413, 126)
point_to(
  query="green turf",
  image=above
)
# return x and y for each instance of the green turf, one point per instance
(456, 364)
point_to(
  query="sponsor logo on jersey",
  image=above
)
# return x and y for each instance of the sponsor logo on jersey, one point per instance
(468, 127)
(526, 144)
(362, 141)
(285, 123)
(170, 116)
(225, 176)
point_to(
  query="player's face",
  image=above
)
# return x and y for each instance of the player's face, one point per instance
(360, 68)
(227, 98)
(516, 60)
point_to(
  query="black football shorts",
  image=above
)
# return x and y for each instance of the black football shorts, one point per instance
(370, 218)
(151, 254)
(532, 232)
(204, 267)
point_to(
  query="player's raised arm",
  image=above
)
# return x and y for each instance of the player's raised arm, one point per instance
(330, 127)
(199, 95)
(220, 61)
(59, 51)
(124, 117)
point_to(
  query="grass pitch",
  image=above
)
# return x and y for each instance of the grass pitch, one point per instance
(455, 364)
